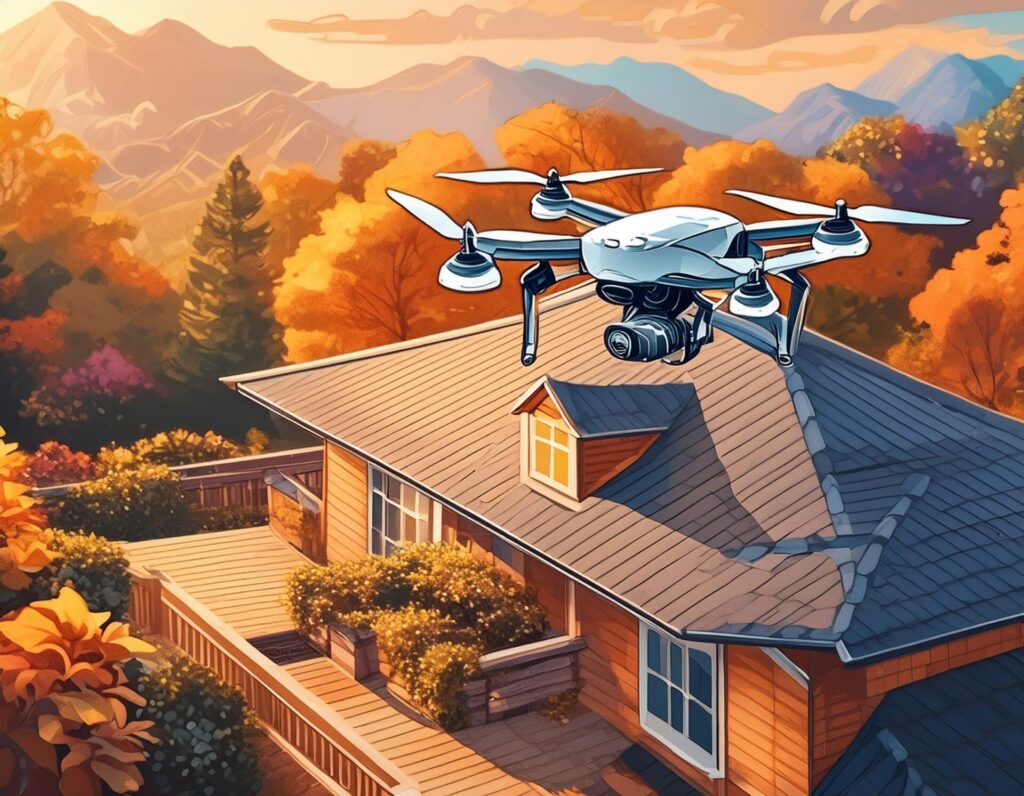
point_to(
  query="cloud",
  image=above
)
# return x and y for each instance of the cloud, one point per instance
(727, 23)
(465, 23)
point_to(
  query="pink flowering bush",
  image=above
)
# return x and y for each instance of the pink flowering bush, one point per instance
(55, 463)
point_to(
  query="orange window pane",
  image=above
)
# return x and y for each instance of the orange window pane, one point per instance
(561, 467)
(561, 436)
(542, 458)
(541, 429)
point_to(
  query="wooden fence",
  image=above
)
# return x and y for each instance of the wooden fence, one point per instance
(236, 482)
(294, 713)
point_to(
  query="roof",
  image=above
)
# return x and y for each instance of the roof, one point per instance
(957, 732)
(597, 410)
(835, 503)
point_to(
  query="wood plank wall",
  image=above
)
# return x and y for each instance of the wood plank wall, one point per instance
(552, 590)
(768, 720)
(600, 460)
(345, 504)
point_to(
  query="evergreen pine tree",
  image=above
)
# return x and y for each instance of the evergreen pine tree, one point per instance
(227, 320)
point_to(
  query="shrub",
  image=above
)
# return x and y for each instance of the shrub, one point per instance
(474, 593)
(64, 701)
(442, 577)
(179, 446)
(431, 654)
(100, 388)
(23, 550)
(127, 504)
(206, 732)
(55, 463)
(226, 518)
(96, 568)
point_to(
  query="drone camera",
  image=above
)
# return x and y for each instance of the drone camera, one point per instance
(646, 337)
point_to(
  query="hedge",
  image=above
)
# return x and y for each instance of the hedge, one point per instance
(207, 733)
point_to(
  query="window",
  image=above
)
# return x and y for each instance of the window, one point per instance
(549, 451)
(679, 695)
(399, 514)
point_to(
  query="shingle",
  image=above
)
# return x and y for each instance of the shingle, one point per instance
(734, 472)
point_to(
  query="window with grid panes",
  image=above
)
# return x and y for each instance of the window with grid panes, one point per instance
(399, 514)
(550, 457)
(679, 695)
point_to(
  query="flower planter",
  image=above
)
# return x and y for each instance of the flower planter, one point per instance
(354, 650)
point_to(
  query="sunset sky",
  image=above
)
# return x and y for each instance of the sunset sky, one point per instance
(745, 46)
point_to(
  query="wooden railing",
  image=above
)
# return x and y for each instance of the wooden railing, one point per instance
(235, 482)
(292, 711)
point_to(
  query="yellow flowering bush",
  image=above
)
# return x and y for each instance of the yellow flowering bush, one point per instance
(127, 504)
(430, 652)
(180, 446)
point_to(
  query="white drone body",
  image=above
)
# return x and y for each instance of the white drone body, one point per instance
(658, 263)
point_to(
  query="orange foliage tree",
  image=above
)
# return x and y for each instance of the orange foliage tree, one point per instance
(292, 203)
(360, 158)
(571, 140)
(64, 720)
(974, 340)
(370, 276)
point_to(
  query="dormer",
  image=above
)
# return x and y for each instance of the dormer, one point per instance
(575, 438)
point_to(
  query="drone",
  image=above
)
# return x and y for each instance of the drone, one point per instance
(658, 264)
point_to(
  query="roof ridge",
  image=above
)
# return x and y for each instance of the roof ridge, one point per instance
(563, 298)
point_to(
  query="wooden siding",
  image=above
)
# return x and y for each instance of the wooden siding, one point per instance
(345, 501)
(552, 590)
(844, 697)
(768, 715)
(600, 460)
(609, 668)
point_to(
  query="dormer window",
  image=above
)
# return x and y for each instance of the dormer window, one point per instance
(575, 438)
(551, 457)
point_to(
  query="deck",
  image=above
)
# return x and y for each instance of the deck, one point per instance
(239, 577)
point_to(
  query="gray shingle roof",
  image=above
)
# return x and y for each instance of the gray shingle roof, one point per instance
(595, 410)
(960, 732)
(836, 503)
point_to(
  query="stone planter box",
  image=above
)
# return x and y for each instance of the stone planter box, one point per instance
(354, 650)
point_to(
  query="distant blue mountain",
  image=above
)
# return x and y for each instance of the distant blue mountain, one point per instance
(954, 90)
(668, 90)
(891, 81)
(1010, 70)
(815, 117)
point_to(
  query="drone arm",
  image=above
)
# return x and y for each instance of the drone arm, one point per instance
(804, 259)
(776, 230)
(510, 245)
(592, 213)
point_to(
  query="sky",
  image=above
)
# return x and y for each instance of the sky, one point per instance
(767, 51)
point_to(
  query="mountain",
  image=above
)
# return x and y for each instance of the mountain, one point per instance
(891, 81)
(1010, 70)
(816, 117)
(954, 90)
(666, 89)
(111, 87)
(268, 128)
(475, 96)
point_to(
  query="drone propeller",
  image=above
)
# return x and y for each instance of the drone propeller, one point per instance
(553, 178)
(870, 213)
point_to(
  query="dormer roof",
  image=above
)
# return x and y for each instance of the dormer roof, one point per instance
(592, 410)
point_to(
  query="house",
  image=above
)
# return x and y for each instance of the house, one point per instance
(764, 563)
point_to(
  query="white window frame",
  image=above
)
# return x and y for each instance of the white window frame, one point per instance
(421, 511)
(678, 742)
(569, 448)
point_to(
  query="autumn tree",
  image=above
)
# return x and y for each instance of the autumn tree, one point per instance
(974, 340)
(227, 323)
(360, 158)
(589, 140)
(995, 143)
(370, 276)
(293, 201)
